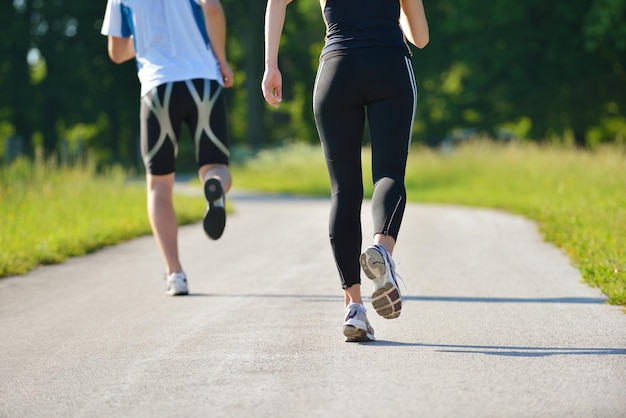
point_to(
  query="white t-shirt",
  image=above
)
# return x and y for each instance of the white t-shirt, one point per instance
(170, 37)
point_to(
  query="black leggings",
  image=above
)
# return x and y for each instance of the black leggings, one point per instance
(376, 85)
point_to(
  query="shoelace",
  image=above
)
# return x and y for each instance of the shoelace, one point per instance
(395, 274)
(393, 266)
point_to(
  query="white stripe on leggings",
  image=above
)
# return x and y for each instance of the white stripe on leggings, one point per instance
(409, 68)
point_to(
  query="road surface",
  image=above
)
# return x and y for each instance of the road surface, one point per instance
(496, 323)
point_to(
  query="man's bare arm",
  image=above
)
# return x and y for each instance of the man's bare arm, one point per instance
(121, 49)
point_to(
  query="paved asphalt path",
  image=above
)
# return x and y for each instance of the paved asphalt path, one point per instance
(496, 323)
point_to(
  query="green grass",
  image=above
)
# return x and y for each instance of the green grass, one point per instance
(49, 214)
(298, 169)
(578, 198)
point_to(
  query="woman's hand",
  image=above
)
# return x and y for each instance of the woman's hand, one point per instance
(272, 86)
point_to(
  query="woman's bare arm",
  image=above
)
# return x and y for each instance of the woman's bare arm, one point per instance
(413, 22)
(272, 83)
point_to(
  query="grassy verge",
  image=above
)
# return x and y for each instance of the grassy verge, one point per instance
(49, 214)
(577, 197)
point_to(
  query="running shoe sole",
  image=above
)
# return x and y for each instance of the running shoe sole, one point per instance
(386, 298)
(215, 217)
(387, 301)
(356, 335)
(174, 292)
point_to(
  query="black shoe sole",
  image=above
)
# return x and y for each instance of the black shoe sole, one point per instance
(215, 218)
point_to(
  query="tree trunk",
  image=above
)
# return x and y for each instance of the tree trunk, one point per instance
(254, 47)
(580, 139)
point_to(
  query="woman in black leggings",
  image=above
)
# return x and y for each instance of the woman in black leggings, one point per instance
(365, 75)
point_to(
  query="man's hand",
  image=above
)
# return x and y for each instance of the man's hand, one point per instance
(227, 74)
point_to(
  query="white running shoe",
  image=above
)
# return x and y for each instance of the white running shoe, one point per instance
(356, 327)
(177, 284)
(380, 268)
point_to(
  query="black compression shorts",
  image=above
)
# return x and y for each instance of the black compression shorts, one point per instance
(199, 104)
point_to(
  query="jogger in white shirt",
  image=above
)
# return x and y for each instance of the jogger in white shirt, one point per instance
(179, 47)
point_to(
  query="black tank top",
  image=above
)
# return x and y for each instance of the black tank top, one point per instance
(362, 24)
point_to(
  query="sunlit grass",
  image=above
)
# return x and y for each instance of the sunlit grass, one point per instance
(49, 213)
(297, 169)
(578, 198)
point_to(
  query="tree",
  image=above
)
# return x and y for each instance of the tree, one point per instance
(557, 67)
(501, 61)
(16, 90)
(69, 79)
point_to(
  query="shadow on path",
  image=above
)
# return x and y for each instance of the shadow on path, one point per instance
(462, 299)
(510, 351)
(583, 300)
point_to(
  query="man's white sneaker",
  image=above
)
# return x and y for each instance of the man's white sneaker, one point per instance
(356, 327)
(177, 284)
(380, 268)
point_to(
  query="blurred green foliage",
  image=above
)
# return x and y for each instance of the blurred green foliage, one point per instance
(533, 70)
